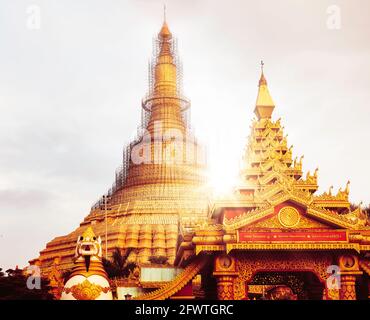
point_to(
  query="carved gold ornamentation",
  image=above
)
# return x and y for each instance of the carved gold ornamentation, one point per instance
(225, 288)
(253, 262)
(86, 290)
(348, 287)
(292, 246)
(289, 217)
(274, 223)
(205, 247)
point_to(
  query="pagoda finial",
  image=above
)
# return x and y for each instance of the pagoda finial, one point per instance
(262, 78)
(165, 33)
(264, 104)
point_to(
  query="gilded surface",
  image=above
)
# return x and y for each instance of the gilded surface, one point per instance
(86, 290)
(250, 263)
(162, 190)
(348, 287)
(289, 217)
(274, 223)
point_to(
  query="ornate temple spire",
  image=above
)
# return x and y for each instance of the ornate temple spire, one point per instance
(165, 32)
(264, 104)
(165, 73)
(164, 101)
(165, 36)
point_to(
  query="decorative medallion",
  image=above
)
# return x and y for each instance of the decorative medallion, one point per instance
(289, 217)
(86, 290)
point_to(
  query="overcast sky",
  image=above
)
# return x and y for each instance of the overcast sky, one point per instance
(70, 96)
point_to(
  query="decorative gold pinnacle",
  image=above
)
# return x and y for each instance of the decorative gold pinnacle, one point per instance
(264, 104)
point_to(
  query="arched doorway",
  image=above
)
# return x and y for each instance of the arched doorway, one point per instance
(285, 285)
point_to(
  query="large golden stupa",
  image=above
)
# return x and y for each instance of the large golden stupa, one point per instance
(160, 183)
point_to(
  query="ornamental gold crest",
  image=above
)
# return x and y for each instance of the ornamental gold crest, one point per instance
(289, 217)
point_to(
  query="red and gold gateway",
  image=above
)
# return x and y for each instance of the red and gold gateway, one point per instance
(273, 238)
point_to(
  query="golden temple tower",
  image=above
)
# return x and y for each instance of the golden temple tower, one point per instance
(268, 159)
(161, 182)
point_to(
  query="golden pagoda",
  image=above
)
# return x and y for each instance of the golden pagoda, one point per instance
(161, 183)
(274, 237)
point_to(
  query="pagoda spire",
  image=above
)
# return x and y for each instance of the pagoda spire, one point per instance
(165, 69)
(264, 104)
(165, 33)
(164, 100)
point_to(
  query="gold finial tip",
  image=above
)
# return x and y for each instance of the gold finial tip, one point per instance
(264, 104)
(165, 32)
(262, 79)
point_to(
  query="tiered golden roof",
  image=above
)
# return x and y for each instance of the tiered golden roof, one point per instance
(270, 174)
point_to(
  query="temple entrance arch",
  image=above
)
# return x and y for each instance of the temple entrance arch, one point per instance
(250, 264)
(285, 285)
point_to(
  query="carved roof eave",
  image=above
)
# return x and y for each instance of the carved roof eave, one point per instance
(280, 193)
(264, 208)
(234, 203)
(247, 218)
(336, 220)
(312, 210)
(334, 203)
(271, 176)
(295, 196)
(266, 123)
